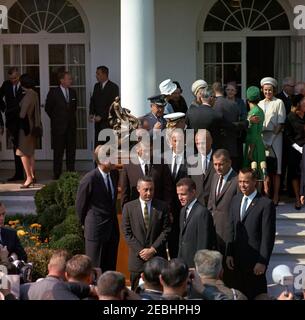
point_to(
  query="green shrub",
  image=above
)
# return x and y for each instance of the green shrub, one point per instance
(71, 211)
(40, 258)
(65, 193)
(45, 197)
(49, 218)
(73, 243)
(69, 226)
(24, 220)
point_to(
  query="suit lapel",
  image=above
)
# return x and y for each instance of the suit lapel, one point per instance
(226, 186)
(140, 218)
(102, 182)
(251, 206)
(190, 215)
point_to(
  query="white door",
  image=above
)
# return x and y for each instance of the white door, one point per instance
(43, 60)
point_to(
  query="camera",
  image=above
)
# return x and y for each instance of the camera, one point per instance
(23, 269)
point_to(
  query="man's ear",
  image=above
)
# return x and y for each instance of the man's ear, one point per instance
(161, 280)
(142, 276)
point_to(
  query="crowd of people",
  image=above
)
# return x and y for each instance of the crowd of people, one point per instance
(197, 225)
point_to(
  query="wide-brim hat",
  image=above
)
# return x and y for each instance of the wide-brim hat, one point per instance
(269, 80)
(167, 87)
(198, 84)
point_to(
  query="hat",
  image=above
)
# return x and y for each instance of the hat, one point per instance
(269, 80)
(174, 116)
(253, 93)
(158, 99)
(167, 87)
(198, 84)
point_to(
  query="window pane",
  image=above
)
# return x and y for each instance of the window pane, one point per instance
(6, 54)
(232, 52)
(212, 52)
(78, 75)
(212, 73)
(75, 26)
(30, 54)
(68, 13)
(28, 6)
(33, 72)
(12, 55)
(57, 54)
(232, 73)
(53, 74)
(76, 54)
(81, 96)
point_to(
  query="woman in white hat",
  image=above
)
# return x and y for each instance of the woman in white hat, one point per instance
(275, 116)
(199, 88)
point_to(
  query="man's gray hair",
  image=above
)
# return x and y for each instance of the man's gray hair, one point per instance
(208, 263)
(288, 81)
(145, 179)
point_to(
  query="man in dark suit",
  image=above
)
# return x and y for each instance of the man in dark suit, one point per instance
(96, 209)
(142, 166)
(11, 91)
(145, 226)
(251, 236)
(203, 171)
(104, 94)
(223, 187)
(9, 238)
(196, 223)
(230, 112)
(176, 161)
(61, 106)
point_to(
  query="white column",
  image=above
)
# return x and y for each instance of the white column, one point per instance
(138, 72)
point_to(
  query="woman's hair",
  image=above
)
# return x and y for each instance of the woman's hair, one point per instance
(27, 81)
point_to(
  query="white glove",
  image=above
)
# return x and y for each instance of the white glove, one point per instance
(297, 148)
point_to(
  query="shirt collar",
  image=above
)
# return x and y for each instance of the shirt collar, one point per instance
(208, 156)
(143, 203)
(190, 206)
(142, 162)
(285, 94)
(252, 195)
(227, 175)
(104, 174)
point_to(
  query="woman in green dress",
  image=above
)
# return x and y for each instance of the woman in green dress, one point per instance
(255, 149)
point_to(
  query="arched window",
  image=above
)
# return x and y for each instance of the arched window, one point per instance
(53, 16)
(254, 15)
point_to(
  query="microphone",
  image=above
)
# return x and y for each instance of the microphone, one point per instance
(264, 168)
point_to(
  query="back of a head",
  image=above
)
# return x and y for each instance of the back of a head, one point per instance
(217, 87)
(153, 269)
(58, 261)
(208, 263)
(79, 267)
(111, 284)
(175, 273)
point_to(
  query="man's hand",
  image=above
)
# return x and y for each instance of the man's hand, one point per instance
(3, 253)
(259, 269)
(158, 125)
(147, 253)
(302, 199)
(285, 296)
(254, 119)
(230, 262)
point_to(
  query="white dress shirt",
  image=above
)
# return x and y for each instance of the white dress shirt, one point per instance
(65, 92)
(179, 160)
(143, 205)
(189, 208)
(104, 175)
(224, 180)
(142, 164)
(250, 199)
(205, 160)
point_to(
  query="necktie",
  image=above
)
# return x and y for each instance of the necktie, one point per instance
(244, 208)
(109, 186)
(185, 216)
(67, 94)
(204, 165)
(146, 169)
(146, 216)
(219, 186)
(174, 173)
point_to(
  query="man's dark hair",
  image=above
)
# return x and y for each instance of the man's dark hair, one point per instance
(104, 69)
(110, 284)
(79, 267)
(26, 81)
(222, 153)
(153, 269)
(11, 70)
(187, 182)
(250, 171)
(175, 273)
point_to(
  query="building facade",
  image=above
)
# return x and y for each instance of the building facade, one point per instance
(144, 42)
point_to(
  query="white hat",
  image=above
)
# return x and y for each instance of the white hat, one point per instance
(167, 87)
(174, 116)
(269, 80)
(198, 84)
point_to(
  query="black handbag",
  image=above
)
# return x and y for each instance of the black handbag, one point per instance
(271, 161)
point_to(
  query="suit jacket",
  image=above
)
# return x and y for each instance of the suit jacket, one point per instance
(132, 172)
(138, 238)
(287, 101)
(302, 165)
(10, 239)
(203, 181)
(219, 207)
(94, 207)
(102, 98)
(251, 240)
(61, 112)
(11, 106)
(197, 233)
